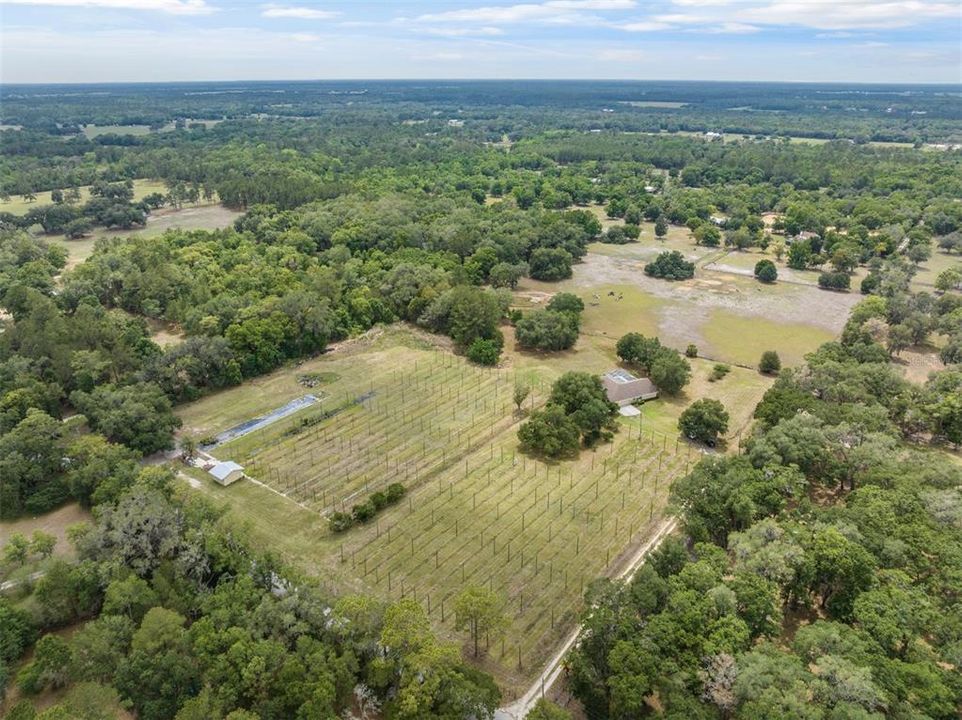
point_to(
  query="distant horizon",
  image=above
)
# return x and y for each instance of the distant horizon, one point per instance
(872, 83)
(63, 42)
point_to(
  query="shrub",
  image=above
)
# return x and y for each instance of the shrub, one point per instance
(770, 363)
(636, 349)
(765, 271)
(670, 372)
(364, 511)
(616, 235)
(394, 492)
(661, 227)
(799, 255)
(691, 351)
(707, 235)
(719, 371)
(340, 521)
(566, 302)
(671, 266)
(834, 281)
(379, 500)
(484, 352)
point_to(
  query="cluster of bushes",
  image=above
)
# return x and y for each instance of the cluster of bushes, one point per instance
(470, 316)
(671, 265)
(554, 328)
(621, 234)
(834, 280)
(666, 368)
(718, 371)
(365, 511)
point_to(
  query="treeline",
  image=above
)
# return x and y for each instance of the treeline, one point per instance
(817, 575)
(178, 616)
(278, 286)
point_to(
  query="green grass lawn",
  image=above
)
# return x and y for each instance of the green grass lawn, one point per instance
(742, 340)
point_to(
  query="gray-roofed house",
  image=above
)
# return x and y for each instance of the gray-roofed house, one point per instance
(623, 388)
(226, 472)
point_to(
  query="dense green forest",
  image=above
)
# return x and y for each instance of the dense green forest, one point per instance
(818, 574)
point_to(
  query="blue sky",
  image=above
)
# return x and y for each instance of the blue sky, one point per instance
(792, 40)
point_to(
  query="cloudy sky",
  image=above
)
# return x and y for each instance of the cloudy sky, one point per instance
(795, 40)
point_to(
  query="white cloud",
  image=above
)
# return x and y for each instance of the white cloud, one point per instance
(592, 4)
(621, 56)
(304, 13)
(743, 16)
(552, 11)
(175, 7)
(732, 28)
(681, 18)
(646, 26)
(849, 14)
(484, 31)
(305, 37)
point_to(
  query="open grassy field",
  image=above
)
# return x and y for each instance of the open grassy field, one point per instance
(200, 217)
(18, 206)
(477, 511)
(92, 131)
(924, 279)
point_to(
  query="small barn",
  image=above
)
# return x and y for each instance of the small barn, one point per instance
(623, 388)
(226, 472)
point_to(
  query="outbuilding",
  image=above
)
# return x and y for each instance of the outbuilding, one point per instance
(623, 388)
(226, 472)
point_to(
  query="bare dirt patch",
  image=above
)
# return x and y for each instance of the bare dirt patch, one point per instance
(918, 362)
